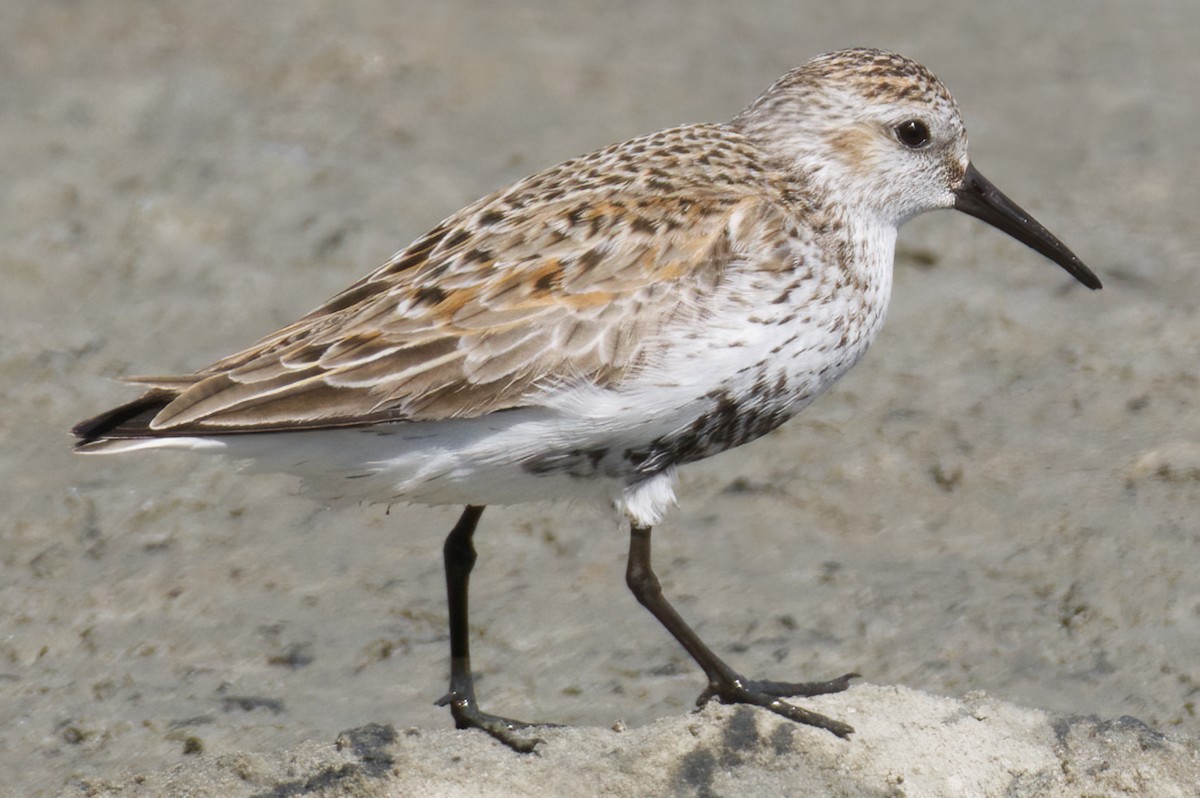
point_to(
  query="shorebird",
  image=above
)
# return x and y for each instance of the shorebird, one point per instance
(587, 330)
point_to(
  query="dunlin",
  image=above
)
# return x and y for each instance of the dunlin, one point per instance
(591, 328)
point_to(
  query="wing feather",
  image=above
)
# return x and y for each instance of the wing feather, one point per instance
(521, 290)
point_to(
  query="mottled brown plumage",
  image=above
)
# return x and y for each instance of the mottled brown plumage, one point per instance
(567, 273)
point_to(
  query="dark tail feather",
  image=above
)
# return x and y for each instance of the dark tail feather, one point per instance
(130, 420)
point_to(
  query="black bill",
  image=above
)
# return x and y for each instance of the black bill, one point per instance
(979, 198)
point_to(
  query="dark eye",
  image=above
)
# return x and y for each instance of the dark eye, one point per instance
(912, 133)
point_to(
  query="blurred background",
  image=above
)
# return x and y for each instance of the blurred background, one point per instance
(1003, 496)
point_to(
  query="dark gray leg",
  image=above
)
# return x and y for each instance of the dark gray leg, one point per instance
(459, 556)
(724, 683)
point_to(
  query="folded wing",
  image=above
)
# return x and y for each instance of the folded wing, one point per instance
(481, 314)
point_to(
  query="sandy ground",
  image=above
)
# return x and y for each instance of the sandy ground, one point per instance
(976, 746)
(1002, 497)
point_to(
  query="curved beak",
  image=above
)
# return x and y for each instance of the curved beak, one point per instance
(979, 198)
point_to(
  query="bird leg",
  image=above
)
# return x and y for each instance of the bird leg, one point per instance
(724, 683)
(459, 556)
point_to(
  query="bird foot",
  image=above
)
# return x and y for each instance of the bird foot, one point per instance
(468, 715)
(768, 695)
